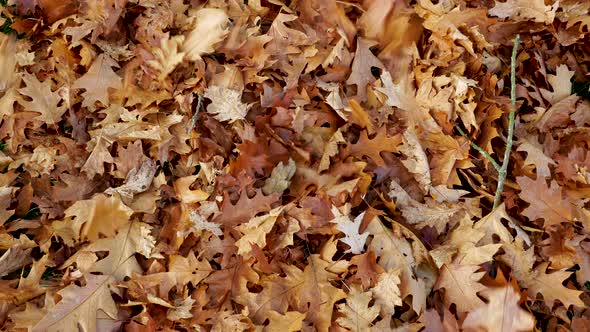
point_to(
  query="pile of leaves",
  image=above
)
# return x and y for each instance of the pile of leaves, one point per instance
(277, 165)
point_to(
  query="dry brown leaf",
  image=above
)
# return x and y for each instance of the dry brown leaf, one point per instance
(525, 10)
(88, 219)
(98, 80)
(461, 285)
(209, 29)
(79, 306)
(501, 313)
(43, 99)
(358, 314)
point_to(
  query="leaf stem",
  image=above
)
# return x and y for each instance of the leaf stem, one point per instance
(478, 148)
(504, 169)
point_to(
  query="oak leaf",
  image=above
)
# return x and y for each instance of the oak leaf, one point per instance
(168, 56)
(280, 178)
(537, 280)
(100, 154)
(330, 150)
(372, 147)
(387, 293)
(352, 237)
(226, 104)
(501, 313)
(546, 202)
(461, 285)
(98, 80)
(182, 310)
(44, 101)
(244, 209)
(364, 60)
(210, 29)
(120, 261)
(525, 10)
(358, 314)
(255, 231)
(399, 249)
(291, 321)
(88, 219)
(138, 180)
(79, 307)
(561, 84)
(535, 156)
(181, 271)
(463, 242)
(310, 291)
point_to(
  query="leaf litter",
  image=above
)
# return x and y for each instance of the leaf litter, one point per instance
(293, 166)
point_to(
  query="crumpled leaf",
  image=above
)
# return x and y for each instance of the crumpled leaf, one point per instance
(280, 178)
(138, 180)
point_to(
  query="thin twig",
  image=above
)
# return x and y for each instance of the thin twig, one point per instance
(193, 122)
(503, 171)
(478, 148)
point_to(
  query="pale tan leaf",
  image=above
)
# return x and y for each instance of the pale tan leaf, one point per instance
(182, 310)
(352, 237)
(560, 83)
(100, 154)
(535, 156)
(44, 100)
(98, 80)
(525, 10)
(364, 60)
(255, 231)
(280, 178)
(168, 56)
(387, 293)
(502, 313)
(358, 315)
(90, 218)
(330, 150)
(210, 29)
(226, 104)
(7, 60)
(291, 321)
(461, 285)
(79, 307)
